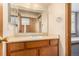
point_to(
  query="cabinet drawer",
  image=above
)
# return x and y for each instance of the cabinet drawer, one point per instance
(36, 44)
(49, 51)
(31, 52)
(15, 46)
(54, 42)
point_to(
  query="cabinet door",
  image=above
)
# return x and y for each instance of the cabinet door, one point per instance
(0, 49)
(31, 52)
(15, 46)
(49, 51)
(36, 44)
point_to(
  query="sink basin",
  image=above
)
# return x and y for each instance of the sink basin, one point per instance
(38, 37)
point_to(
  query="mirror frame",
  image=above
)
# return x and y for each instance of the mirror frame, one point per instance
(9, 14)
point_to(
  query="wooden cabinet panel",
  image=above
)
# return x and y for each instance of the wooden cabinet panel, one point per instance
(1, 26)
(31, 52)
(54, 51)
(1, 49)
(54, 42)
(49, 51)
(34, 48)
(15, 46)
(35, 44)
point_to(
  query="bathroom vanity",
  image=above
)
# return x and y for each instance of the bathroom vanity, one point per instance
(29, 29)
(35, 47)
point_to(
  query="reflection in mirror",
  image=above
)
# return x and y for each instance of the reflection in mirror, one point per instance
(28, 20)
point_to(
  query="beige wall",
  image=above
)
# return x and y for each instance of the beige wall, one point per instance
(5, 20)
(58, 28)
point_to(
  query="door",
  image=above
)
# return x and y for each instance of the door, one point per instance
(68, 28)
(1, 19)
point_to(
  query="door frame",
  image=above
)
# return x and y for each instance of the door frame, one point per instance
(68, 28)
(1, 19)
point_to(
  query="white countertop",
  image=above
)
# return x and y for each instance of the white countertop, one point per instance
(30, 38)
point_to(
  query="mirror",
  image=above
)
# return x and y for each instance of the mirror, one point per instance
(28, 17)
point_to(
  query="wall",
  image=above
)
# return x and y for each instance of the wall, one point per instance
(5, 20)
(58, 28)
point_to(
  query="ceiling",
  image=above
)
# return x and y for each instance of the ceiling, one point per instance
(75, 7)
(34, 7)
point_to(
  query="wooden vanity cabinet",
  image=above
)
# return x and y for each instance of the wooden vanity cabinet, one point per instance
(37, 44)
(15, 46)
(28, 52)
(1, 49)
(49, 51)
(34, 48)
